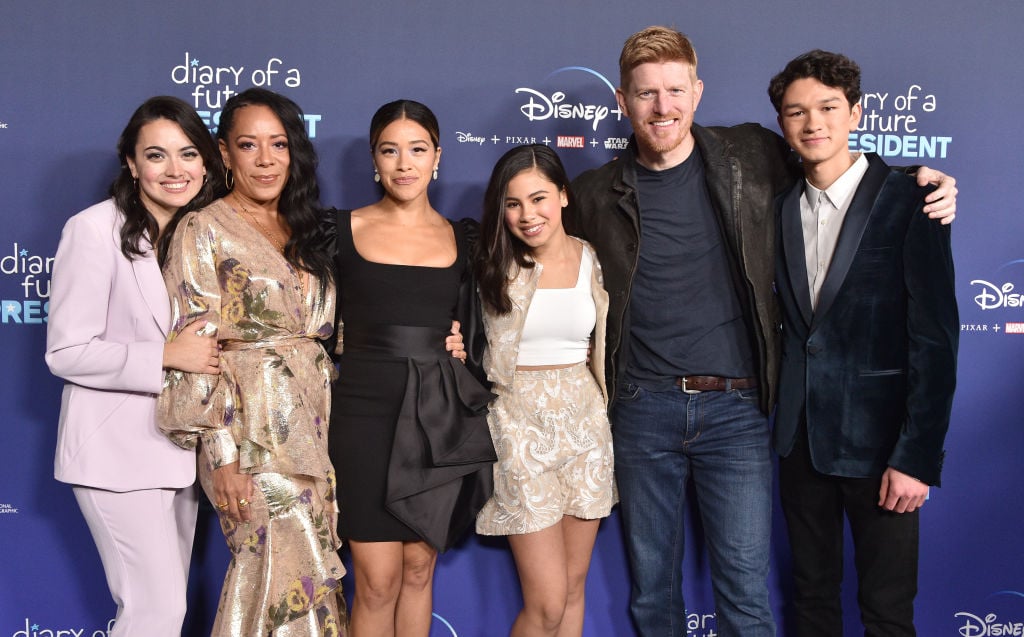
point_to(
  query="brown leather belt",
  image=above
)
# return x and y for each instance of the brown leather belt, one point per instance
(697, 384)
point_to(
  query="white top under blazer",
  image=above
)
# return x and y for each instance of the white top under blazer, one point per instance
(559, 322)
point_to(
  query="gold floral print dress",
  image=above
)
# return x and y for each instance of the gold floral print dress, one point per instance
(268, 409)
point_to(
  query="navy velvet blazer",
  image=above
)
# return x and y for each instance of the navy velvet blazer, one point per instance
(872, 369)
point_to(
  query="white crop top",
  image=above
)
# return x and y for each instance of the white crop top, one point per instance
(559, 322)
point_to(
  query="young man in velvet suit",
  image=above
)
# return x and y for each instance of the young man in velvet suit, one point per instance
(870, 330)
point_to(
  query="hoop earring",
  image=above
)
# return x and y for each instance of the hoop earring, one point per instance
(376, 176)
(229, 179)
(435, 173)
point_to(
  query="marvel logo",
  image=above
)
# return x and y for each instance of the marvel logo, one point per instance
(570, 141)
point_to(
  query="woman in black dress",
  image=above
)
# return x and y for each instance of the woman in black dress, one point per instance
(413, 467)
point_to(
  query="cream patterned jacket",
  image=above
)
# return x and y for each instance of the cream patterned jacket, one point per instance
(503, 331)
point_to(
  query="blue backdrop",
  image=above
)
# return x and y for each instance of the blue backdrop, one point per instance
(943, 81)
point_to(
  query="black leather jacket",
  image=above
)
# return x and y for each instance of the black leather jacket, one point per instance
(746, 166)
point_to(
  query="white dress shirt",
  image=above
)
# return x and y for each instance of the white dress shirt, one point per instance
(821, 215)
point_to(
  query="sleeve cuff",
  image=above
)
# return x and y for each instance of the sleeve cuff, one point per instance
(219, 447)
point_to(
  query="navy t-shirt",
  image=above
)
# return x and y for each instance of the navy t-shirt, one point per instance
(685, 315)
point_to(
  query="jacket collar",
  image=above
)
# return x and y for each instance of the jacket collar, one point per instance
(152, 288)
(149, 279)
(717, 165)
(854, 223)
(712, 149)
(793, 250)
(625, 178)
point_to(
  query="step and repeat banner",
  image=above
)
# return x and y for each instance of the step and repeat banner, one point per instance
(943, 85)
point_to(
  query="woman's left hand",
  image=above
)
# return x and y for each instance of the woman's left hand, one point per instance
(454, 343)
(232, 492)
(194, 349)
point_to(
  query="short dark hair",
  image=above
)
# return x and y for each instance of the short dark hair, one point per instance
(831, 69)
(300, 199)
(139, 224)
(498, 250)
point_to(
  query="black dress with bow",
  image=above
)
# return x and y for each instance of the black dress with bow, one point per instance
(408, 435)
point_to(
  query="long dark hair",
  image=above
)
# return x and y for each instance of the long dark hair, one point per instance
(139, 224)
(498, 249)
(300, 198)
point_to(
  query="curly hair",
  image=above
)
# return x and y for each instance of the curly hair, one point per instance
(300, 198)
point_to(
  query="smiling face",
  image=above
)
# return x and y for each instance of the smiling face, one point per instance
(533, 208)
(816, 121)
(405, 157)
(660, 99)
(256, 150)
(168, 166)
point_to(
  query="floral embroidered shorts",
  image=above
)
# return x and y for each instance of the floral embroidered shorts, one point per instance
(554, 447)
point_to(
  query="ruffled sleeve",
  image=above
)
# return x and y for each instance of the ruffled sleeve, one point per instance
(469, 311)
(328, 241)
(194, 406)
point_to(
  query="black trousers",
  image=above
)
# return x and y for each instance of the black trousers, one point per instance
(885, 550)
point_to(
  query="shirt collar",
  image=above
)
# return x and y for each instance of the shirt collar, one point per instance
(840, 193)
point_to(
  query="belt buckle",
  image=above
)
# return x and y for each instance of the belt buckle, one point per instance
(686, 390)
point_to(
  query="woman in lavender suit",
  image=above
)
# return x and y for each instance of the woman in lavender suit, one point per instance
(109, 315)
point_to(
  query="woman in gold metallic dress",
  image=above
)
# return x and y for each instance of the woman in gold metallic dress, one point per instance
(252, 263)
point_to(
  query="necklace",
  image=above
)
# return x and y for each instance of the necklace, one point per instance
(263, 230)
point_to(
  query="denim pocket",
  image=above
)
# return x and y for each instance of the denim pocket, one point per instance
(627, 392)
(750, 395)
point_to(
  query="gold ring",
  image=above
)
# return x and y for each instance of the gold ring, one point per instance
(243, 502)
(223, 506)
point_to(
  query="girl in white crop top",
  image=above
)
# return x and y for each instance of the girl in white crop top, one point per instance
(560, 321)
(542, 302)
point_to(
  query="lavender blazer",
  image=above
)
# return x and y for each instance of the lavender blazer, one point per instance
(107, 325)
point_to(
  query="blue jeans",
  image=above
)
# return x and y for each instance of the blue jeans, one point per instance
(721, 440)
